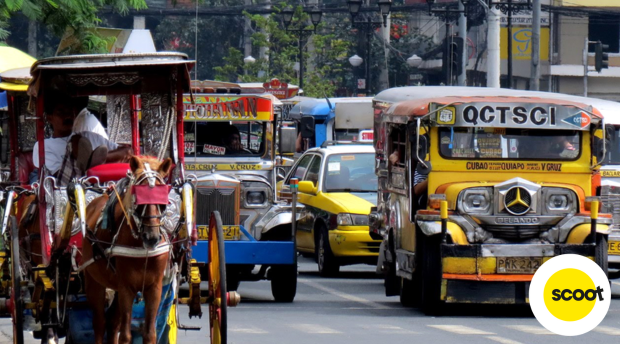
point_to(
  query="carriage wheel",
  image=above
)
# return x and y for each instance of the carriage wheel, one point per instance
(217, 280)
(16, 279)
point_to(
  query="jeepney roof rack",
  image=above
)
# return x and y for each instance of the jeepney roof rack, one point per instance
(342, 143)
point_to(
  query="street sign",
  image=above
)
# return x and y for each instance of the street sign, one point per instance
(361, 84)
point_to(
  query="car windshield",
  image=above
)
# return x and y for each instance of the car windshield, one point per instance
(211, 139)
(350, 172)
(513, 144)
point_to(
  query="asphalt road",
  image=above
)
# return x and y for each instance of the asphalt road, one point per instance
(352, 308)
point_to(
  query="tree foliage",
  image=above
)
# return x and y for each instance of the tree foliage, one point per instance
(58, 15)
(323, 55)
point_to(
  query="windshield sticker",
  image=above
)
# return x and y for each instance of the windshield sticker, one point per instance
(347, 157)
(215, 150)
(490, 146)
(514, 166)
(513, 115)
(333, 166)
(189, 147)
(463, 153)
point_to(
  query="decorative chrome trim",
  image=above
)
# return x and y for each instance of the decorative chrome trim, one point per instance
(518, 250)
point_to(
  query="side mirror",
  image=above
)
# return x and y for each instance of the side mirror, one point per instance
(307, 127)
(288, 137)
(601, 147)
(307, 187)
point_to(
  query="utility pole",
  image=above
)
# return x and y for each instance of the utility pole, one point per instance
(32, 38)
(462, 78)
(493, 57)
(535, 69)
(247, 34)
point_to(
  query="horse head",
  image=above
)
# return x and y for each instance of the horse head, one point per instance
(149, 198)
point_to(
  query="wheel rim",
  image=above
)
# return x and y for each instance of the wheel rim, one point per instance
(217, 280)
(17, 316)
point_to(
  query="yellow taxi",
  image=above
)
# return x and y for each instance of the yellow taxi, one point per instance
(337, 186)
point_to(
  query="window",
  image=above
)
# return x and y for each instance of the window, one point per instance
(605, 28)
(314, 170)
(612, 155)
(353, 172)
(515, 144)
(212, 139)
(301, 168)
(397, 145)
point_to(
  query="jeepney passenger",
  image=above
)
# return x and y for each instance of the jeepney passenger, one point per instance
(232, 141)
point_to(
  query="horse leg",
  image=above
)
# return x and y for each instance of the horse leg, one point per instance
(113, 325)
(125, 303)
(95, 294)
(152, 299)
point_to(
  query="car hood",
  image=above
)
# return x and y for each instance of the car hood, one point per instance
(354, 202)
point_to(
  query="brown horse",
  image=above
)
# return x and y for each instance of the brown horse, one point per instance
(136, 219)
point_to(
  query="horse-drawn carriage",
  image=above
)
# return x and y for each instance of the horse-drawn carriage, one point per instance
(102, 242)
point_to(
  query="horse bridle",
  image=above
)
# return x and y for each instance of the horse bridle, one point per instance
(158, 196)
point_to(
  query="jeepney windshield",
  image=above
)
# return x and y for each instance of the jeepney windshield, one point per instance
(515, 144)
(212, 139)
(613, 149)
(350, 172)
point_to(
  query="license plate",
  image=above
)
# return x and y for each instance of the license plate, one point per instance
(230, 232)
(614, 247)
(518, 265)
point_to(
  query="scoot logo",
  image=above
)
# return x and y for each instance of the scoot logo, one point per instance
(570, 295)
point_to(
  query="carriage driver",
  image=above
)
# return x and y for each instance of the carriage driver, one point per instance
(77, 143)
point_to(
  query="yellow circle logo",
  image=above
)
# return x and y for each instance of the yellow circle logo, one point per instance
(570, 294)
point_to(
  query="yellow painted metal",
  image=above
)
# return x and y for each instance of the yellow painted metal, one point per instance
(457, 234)
(579, 234)
(65, 231)
(594, 210)
(443, 205)
(444, 289)
(172, 325)
(469, 265)
(8, 86)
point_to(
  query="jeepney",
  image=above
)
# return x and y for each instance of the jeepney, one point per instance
(336, 119)
(240, 183)
(478, 187)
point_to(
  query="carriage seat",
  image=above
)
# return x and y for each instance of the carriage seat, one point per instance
(109, 172)
(25, 167)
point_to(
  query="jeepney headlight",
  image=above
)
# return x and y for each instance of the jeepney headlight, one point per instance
(346, 219)
(558, 200)
(255, 197)
(476, 201)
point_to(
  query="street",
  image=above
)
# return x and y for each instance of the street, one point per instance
(352, 308)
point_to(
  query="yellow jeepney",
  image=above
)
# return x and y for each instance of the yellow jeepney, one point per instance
(479, 187)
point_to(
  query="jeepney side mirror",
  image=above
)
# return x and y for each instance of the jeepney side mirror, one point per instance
(288, 137)
(423, 166)
(307, 127)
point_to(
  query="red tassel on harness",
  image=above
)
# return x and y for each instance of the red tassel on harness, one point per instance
(144, 194)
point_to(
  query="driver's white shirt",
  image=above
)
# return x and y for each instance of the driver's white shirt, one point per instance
(86, 121)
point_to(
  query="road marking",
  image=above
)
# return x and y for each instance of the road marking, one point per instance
(460, 329)
(313, 328)
(384, 328)
(616, 283)
(503, 340)
(252, 330)
(607, 330)
(530, 329)
(341, 294)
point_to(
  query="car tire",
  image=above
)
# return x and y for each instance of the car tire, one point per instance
(600, 253)
(284, 282)
(431, 273)
(326, 261)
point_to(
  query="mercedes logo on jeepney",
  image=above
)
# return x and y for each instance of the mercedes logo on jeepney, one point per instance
(517, 201)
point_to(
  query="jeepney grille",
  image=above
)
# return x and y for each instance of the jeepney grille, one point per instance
(610, 199)
(517, 232)
(222, 200)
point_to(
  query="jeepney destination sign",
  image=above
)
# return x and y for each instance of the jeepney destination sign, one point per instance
(227, 108)
(512, 115)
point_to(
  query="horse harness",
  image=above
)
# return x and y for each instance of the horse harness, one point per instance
(142, 195)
